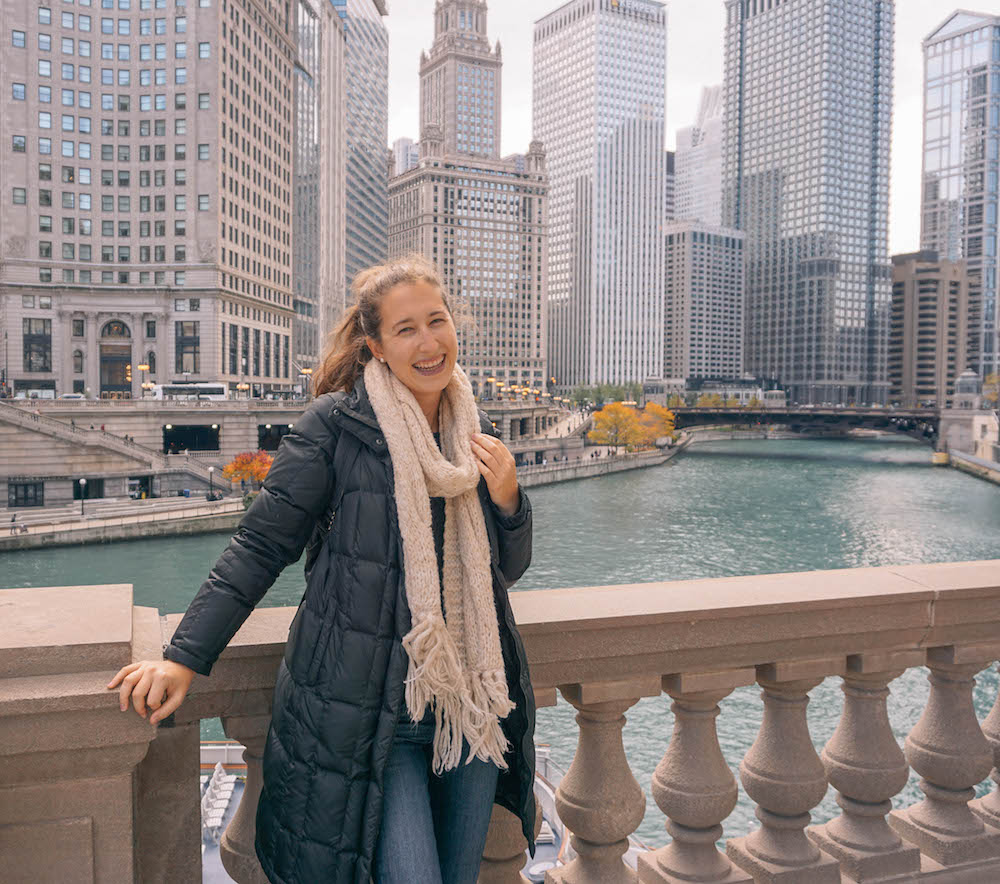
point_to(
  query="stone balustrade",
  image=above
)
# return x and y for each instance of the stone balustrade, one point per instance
(88, 794)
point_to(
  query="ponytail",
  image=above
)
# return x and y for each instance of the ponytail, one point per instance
(347, 352)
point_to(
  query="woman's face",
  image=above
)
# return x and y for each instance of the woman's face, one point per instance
(417, 337)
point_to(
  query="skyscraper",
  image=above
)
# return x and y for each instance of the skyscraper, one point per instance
(961, 164)
(481, 218)
(148, 218)
(698, 176)
(405, 155)
(599, 79)
(931, 328)
(703, 327)
(808, 104)
(320, 210)
(367, 88)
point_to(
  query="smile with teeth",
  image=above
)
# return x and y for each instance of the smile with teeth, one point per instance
(430, 366)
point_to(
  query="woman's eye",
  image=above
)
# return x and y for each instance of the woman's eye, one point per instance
(439, 319)
(403, 331)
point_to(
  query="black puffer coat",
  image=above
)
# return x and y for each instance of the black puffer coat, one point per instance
(339, 689)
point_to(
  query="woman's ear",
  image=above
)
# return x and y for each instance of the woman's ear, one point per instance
(373, 345)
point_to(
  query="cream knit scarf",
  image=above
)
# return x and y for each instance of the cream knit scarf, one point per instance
(456, 664)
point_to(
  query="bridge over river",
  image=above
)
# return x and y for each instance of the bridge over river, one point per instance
(921, 423)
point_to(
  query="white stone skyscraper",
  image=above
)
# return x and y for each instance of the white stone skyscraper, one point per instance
(961, 164)
(698, 164)
(808, 109)
(481, 218)
(599, 81)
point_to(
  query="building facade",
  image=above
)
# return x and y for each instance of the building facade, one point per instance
(808, 104)
(933, 330)
(319, 174)
(698, 165)
(703, 313)
(147, 218)
(367, 96)
(961, 163)
(670, 187)
(599, 75)
(481, 218)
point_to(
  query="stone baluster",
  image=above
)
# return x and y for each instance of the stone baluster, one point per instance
(599, 800)
(505, 852)
(783, 774)
(867, 768)
(987, 808)
(947, 748)
(693, 785)
(237, 846)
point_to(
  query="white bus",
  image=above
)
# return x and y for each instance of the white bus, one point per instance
(193, 390)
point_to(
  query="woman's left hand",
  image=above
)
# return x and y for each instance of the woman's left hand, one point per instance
(496, 464)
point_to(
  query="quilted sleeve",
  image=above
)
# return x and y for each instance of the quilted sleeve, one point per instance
(271, 535)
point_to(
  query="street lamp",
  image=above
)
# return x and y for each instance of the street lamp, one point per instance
(143, 367)
(83, 494)
(211, 487)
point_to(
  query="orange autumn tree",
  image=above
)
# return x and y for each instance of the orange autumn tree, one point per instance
(656, 422)
(250, 466)
(616, 424)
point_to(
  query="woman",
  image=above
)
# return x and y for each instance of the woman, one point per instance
(403, 707)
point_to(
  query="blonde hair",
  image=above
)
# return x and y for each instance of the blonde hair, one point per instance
(347, 352)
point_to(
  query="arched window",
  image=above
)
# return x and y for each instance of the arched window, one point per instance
(115, 329)
(151, 362)
(78, 361)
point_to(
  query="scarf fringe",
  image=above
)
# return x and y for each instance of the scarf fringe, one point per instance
(467, 706)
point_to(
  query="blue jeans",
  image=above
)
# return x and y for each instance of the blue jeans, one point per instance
(433, 827)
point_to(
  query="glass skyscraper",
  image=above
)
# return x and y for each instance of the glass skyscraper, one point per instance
(960, 165)
(367, 88)
(599, 82)
(808, 104)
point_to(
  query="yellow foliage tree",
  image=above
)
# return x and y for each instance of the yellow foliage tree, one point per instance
(250, 466)
(675, 401)
(656, 422)
(733, 402)
(755, 403)
(616, 424)
(709, 400)
(991, 390)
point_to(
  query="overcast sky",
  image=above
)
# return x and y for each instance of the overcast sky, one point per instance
(694, 59)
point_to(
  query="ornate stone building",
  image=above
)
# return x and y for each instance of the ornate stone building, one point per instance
(480, 217)
(147, 212)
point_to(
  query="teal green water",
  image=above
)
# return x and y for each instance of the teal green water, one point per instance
(721, 509)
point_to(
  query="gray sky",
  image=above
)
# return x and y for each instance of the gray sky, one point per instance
(694, 59)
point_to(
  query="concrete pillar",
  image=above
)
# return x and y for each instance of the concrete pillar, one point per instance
(599, 800)
(92, 356)
(866, 766)
(949, 751)
(68, 756)
(694, 786)
(237, 846)
(987, 808)
(784, 776)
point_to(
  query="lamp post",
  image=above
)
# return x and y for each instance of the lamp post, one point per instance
(143, 367)
(211, 487)
(83, 494)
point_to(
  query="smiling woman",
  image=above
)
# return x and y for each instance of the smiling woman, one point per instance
(414, 528)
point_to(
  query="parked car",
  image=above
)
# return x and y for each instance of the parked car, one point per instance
(71, 396)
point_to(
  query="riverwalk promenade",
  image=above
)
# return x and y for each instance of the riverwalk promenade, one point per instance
(93, 794)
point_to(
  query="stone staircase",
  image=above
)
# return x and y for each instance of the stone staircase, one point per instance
(157, 461)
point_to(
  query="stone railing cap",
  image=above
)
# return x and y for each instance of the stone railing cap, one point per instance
(63, 629)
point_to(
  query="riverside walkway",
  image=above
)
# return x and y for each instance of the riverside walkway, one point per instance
(65, 526)
(92, 794)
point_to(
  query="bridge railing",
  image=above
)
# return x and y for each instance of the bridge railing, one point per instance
(69, 758)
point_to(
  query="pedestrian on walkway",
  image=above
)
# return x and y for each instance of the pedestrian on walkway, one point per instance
(13, 524)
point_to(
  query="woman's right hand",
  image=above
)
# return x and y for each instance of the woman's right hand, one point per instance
(160, 685)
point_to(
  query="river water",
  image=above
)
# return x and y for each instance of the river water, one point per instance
(718, 509)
